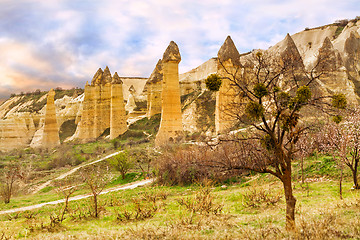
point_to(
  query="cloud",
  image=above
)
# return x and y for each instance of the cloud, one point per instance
(46, 44)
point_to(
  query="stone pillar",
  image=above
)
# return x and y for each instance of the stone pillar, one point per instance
(226, 97)
(171, 118)
(51, 130)
(154, 91)
(117, 110)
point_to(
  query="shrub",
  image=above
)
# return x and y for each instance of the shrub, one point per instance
(193, 164)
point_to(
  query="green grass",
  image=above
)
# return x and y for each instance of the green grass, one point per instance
(236, 221)
(129, 177)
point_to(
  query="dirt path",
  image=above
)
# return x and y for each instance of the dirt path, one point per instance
(124, 187)
(64, 175)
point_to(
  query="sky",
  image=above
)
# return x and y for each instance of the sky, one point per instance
(61, 43)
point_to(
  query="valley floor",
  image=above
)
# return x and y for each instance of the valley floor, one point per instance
(253, 208)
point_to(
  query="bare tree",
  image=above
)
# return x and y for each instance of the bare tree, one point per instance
(9, 175)
(96, 178)
(273, 94)
(65, 188)
(343, 141)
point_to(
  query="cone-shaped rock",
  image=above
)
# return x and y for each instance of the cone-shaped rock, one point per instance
(51, 131)
(290, 53)
(171, 118)
(97, 77)
(116, 79)
(172, 53)
(106, 76)
(229, 51)
(327, 57)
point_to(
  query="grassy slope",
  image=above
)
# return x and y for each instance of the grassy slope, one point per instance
(320, 212)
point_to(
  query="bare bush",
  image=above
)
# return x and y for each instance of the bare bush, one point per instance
(202, 202)
(193, 164)
(256, 197)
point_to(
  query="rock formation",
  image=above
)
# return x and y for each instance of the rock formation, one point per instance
(228, 66)
(154, 91)
(171, 119)
(97, 107)
(117, 110)
(50, 136)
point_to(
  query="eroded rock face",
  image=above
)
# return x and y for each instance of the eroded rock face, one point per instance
(51, 130)
(171, 119)
(16, 131)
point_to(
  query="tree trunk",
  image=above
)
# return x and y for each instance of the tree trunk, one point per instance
(302, 171)
(354, 172)
(340, 183)
(290, 202)
(95, 206)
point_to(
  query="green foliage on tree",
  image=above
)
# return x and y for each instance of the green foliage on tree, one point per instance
(122, 162)
(260, 90)
(254, 110)
(339, 101)
(213, 82)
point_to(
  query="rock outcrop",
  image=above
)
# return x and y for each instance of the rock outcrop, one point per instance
(171, 119)
(130, 104)
(102, 107)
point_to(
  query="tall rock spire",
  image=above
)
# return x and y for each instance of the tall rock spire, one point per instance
(51, 130)
(171, 118)
(154, 91)
(117, 108)
(228, 68)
